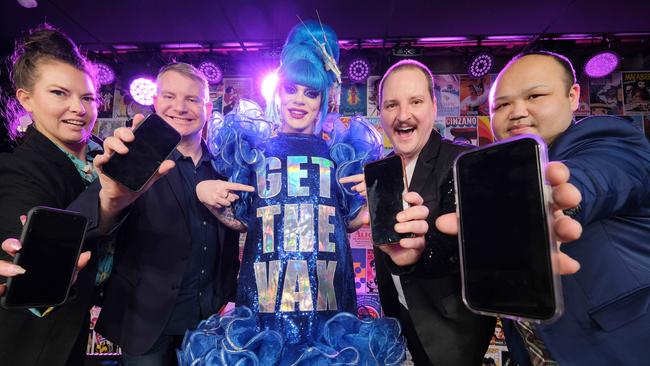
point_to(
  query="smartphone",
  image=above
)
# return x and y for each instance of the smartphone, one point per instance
(385, 186)
(508, 252)
(154, 141)
(51, 243)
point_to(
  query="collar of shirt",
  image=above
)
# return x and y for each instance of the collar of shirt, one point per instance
(85, 168)
(205, 155)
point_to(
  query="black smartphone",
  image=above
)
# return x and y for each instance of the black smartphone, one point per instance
(154, 141)
(385, 185)
(508, 253)
(51, 243)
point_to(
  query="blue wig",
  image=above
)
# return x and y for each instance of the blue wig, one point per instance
(303, 62)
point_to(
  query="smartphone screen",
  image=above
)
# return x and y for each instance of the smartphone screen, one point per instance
(385, 186)
(505, 244)
(51, 243)
(154, 141)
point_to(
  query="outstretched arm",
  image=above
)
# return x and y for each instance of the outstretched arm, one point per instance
(218, 196)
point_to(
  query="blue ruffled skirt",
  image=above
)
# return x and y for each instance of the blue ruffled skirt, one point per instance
(235, 339)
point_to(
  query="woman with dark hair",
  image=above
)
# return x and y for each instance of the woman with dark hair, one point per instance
(55, 86)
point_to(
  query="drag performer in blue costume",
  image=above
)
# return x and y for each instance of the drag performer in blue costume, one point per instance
(296, 296)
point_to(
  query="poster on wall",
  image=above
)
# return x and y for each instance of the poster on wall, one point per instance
(485, 135)
(353, 99)
(372, 106)
(636, 91)
(359, 267)
(233, 90)
(606, 95)
(369, 306)
(105, 109)
(447, 92)
(104, 127)
(98, 345)
(583, 103)
(474, 95)
(462, 129)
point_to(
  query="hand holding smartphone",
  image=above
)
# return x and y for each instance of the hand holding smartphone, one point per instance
(51, 243)
(508, 253)
(154, 141)
(385, 186)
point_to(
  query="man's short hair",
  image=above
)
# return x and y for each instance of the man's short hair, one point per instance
(403, 65)
(188, 70)
(569, 71)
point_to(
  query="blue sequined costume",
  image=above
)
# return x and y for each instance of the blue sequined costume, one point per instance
(296, 295)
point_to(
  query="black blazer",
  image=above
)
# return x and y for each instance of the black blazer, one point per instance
(450, 334)
(152, 251)
(39, 173)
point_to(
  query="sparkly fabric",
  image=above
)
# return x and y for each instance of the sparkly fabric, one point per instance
(296, 294)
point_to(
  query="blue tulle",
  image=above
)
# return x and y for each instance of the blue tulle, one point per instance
(235, 339)
(236, 145)
(351, 148)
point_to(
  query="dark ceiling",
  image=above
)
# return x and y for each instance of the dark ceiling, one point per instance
(104, 23)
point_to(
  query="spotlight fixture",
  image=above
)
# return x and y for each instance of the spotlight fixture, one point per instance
(142, 90)
(601, 64)
(358, 70)
(480, 65)
(105, 74)
(212, 72)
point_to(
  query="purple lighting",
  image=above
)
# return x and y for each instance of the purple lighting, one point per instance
(212, 72)
(105, 74)
(480, 65)
(142, 90)
(358, 70)
(268, 86)
(601, 64)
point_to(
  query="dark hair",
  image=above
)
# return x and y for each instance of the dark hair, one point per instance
(44, 43)
(569, 71)
(402, 65)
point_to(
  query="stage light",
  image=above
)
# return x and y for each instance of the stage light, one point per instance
(268, 86)
(601, 64)
(358, 70)
(142, 90)
(212, 72)
(105, 74)
(480, 65)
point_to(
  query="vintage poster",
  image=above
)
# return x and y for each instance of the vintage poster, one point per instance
(474, 95)
(606, 95)
(353, 99)
(447, 92)
(583, 104)
(359, 267)
(368, 306)
(636, 91)
(98, 345)
(462, 129)
(371, 277)
(485, 135)
(372, 85)
(104, 127)
(105, 109)
(362, 238)
(233, 90)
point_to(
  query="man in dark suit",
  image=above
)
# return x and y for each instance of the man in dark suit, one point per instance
(420, 284)
(606, 320)
(175, 264)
